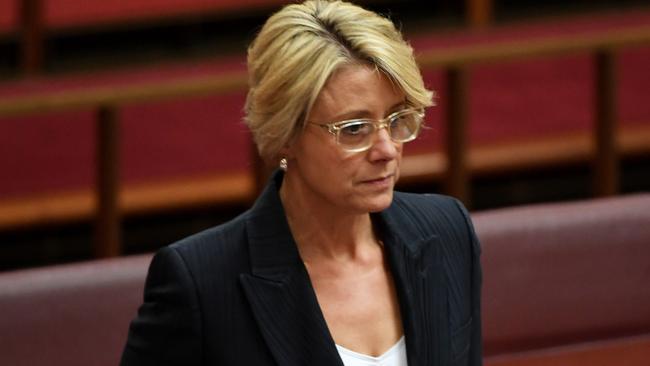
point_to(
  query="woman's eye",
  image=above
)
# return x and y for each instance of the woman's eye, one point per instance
(356, 129)
(398, 120)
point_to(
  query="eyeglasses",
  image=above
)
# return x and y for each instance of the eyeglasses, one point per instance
(355, 135)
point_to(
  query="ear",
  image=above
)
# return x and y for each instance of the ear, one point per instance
(288, 150)
(285, 152)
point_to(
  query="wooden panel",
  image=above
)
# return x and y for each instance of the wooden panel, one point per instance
(478, 13)
(627, 351)
(457, 173)
(107, 185)
(606, 170)
(31, 19)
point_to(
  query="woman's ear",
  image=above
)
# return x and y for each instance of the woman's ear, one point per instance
(287, 151)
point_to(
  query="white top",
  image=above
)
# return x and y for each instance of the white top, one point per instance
(395, 356)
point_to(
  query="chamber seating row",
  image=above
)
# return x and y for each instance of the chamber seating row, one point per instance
(140, 141)
(563, 284)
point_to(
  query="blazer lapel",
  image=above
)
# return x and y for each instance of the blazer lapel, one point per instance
(279, 290)
(416, 264)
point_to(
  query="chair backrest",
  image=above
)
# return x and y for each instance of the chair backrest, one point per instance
(553, 274)
(75, 314)
(565, 272)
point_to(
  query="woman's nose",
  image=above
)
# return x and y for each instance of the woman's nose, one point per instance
(383, 147)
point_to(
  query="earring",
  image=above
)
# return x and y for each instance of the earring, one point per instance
(284, 164)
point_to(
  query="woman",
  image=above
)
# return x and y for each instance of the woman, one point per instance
(329, 267)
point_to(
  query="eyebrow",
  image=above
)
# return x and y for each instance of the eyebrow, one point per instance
(358, 114)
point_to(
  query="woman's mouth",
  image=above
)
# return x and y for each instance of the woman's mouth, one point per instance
(381, 182)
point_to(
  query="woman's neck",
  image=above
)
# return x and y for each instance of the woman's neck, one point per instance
(324, 231)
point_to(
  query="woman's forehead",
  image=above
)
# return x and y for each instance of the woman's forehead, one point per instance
(357, 89)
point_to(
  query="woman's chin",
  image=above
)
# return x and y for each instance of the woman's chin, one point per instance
(379, 202)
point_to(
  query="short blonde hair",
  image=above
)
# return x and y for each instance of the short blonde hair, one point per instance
(299, 48)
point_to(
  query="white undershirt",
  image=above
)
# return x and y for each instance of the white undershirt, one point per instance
(395, 356)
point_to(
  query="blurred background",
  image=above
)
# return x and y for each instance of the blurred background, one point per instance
(121, 131)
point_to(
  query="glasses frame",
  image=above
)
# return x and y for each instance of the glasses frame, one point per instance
(335, 128)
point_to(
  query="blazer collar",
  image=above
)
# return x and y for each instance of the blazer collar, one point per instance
(415, 259)
(273, 252)
(284, 302)
(278, 288)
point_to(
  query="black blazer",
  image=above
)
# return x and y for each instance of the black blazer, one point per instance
(239, 294)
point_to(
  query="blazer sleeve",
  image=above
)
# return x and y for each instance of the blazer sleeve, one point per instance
(476, 343)
(167, 328)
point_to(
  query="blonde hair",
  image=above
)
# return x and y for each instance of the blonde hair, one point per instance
(299, 48)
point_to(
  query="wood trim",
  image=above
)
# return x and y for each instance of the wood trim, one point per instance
(31, 31)
(137, 199)
(478, 13)
(564, 150)
(629, 351)
(90, 98)
(606, 162)
(47, 208)
(510, 156)
(457, 178)
(218, 189)
(527, 48)
(107, 184)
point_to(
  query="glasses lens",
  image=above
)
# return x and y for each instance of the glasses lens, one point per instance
(405, 126)
(355, 134)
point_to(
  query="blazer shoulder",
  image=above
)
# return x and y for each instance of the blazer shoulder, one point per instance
(426, 201)
(438, 214)
(427, 208)
(218, 250)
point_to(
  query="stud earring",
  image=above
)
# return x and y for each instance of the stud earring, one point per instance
(284, 164)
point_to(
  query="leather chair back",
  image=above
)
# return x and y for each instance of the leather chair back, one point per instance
(76, 314)
(565, 272)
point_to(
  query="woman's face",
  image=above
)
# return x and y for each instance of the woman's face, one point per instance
(326, 174)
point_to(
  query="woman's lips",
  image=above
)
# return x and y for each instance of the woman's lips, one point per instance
(382, 182)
